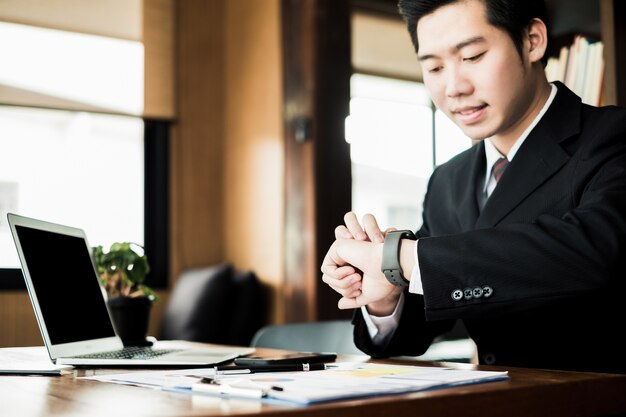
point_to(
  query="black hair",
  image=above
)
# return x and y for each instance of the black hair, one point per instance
(512, 16)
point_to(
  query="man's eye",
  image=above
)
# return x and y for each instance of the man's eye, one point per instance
(434, 70)
(474, 58)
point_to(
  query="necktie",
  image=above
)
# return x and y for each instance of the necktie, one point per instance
(498, 168)
(496, 173)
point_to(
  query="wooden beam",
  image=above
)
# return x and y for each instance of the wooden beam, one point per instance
(317, 70)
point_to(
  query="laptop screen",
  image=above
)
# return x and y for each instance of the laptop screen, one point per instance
(66, 286)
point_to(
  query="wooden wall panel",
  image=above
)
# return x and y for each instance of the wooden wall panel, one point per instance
(253, 148)
(317, 68)
(226, 149)
(158, 40)
(300, 289)
(333, 187)
(198, 135)
(18, 326)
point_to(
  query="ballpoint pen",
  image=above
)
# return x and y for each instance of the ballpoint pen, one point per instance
(234, 388)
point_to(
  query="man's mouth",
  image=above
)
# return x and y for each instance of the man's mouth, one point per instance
(469, 114)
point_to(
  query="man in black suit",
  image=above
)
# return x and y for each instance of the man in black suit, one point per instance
(524, 234)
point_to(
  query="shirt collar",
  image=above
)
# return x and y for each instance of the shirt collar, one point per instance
(492, 154)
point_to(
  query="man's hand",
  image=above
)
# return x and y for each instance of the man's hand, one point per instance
(370, 231)
(347, 279)
(339, 269)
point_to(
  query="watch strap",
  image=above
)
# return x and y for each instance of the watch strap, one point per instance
(390, 265)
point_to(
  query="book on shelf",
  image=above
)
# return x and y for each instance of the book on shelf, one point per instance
(580, 67)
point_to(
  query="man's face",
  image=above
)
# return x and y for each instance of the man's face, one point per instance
(473, 71)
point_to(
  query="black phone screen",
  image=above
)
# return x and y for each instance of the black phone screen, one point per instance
(293, 357)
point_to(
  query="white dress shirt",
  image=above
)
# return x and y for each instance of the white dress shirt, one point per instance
(382, 328)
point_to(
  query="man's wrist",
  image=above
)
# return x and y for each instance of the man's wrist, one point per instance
(408, 248)
(386, 306)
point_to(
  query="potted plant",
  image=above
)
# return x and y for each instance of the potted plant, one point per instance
(122, 270)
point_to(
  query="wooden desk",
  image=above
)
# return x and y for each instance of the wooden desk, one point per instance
(527, 393)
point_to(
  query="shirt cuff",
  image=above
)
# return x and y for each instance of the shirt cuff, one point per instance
(381, 329)
(415, 286)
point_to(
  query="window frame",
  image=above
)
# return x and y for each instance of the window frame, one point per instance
(156, 209)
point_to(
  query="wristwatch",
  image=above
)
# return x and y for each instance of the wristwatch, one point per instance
(391, 257)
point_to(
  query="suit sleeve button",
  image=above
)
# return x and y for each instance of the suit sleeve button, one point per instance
(477, 292)
(468, 293)
(457, 295)
(487, 291)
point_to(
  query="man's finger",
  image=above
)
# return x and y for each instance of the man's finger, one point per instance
(342, 232)
(331, 261)
(353, 225)
(347, 292)
(342, 283)
(349, 303)
(372, 229)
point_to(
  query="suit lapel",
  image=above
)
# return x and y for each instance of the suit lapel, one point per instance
(466, 179)
(537, 160)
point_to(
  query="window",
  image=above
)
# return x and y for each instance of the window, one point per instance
(393, 149)
(449, 139)
(74, 149)
(73, 168)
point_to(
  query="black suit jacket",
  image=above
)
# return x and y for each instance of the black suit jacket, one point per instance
(550, 243)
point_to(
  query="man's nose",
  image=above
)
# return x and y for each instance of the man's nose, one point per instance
(458, 83)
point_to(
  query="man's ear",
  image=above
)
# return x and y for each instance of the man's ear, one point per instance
(536, 41)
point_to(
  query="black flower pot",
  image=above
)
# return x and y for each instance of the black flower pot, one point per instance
(130, 319)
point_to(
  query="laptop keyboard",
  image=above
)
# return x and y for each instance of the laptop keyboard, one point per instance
(130, 352)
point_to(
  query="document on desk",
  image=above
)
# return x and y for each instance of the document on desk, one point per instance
(31, 360)
(340, 381)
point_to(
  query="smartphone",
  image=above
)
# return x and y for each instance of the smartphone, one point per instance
(294, 357)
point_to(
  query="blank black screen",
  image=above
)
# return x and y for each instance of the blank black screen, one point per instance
(66, 286)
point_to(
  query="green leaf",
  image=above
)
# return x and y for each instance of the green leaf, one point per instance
(123, 269)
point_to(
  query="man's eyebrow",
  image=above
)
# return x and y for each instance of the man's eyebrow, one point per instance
(467, 42)
(455, 48)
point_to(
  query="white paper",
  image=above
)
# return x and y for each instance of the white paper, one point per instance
(345, 380)
(29, 360)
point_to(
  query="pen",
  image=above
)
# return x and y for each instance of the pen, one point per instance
(235, 370)
(236, 388)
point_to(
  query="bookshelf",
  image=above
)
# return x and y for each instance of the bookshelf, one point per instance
(580, 66)
(592, 32)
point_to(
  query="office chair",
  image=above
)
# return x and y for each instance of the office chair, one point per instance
(323, 336)
(215, 304)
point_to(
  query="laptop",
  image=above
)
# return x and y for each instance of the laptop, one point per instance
(70, 305)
